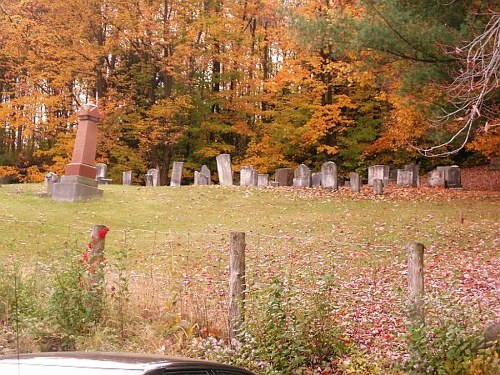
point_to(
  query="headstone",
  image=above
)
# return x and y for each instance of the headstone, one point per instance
(452, 176)
(405, 178)
(329, 175)
(415, 168)
(206, 172)
(248, 176)
(200, 178)
(224, 169)
(347, 183)
(378, 171)
(155, 176)
(263, 180)
(355, 182)
(127, 178)
(302, 177)
(176, 177)
(274, 183)
(435, 178)
(50, 179)
(378, 186)
(79, 180)
(316, 179)
(284, 176)
(149, 179)
(101, 170)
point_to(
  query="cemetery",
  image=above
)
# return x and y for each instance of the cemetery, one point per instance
(287, 187)
(196, 263)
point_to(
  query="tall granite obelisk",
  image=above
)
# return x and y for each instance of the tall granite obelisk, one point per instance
(78, 182)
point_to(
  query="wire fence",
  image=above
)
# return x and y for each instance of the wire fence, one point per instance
(187, 272)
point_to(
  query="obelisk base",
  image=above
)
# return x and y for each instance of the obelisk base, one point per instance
(75, 189)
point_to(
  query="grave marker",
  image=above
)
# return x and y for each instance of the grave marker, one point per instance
(378, 172)
(176, 178)
(329, 175)
(302, 177)
(79, 180)
(127, 178)
(224, 169)
(263, 180)
(284, 176)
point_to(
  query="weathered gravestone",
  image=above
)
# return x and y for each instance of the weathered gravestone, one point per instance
(155, 176)
(78, 182)
(355, 182)
(378, 172)
(316, 179)
(176, 177)
(127, 178)
(224, 169)
(206, 171)
(200, 178)
(263, 180)
(378, 186)
(302, 177)
(50, 179)
(415, 169)
(149, 179)
(405, 178)
(435, 178)
(274, 183)
(101, 170)
(284, 176)
(452, 176)
(329, 175)
(248, 176)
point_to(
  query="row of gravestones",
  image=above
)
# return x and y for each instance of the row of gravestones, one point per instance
(301, 177)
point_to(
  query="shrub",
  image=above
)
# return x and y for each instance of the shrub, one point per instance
(449, 344)
(292, 335)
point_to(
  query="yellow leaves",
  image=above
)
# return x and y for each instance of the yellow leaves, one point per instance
(406, 124)
(487, 143)
(33, 174)
(9, 172)
(265, 154)
(326, 120)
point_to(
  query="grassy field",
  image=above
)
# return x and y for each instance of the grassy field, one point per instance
(175, 242)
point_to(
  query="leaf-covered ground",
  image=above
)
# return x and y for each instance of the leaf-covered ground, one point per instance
(176, 241)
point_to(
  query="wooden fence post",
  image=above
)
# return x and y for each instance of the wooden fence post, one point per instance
(96, 254)
(237, 285)
(97, 237)
(416, 280)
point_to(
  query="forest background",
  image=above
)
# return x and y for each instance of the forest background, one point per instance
(272, 82)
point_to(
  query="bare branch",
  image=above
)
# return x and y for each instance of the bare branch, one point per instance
(476, 83)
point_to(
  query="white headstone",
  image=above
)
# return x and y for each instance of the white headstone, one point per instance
(224, 169)
(302, 177)
(176, 177)
(127, 178)
(329, 175)
(378, 172)
(155, 175)
(263, 180)
(248, 176)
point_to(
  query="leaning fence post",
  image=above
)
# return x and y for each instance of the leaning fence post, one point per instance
(237, 285)
(416, 280)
